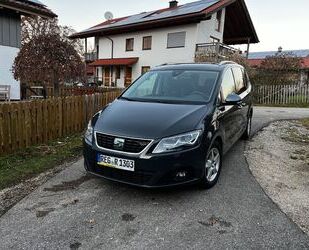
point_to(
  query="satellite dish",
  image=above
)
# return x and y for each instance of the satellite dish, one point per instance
(108, 15)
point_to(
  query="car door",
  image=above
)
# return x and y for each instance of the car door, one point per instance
(228, 113)
(241, 90)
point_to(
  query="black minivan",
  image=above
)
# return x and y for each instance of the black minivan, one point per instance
(172, 126)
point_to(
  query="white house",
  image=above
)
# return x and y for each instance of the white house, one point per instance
(10, 37)
(129, 46)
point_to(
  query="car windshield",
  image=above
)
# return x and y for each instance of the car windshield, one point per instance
(174, 86)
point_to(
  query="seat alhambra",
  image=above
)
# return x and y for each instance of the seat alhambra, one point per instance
(172, 126)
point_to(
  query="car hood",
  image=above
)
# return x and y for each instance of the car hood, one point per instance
(149, 120)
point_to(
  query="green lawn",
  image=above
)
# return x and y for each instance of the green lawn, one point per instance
(30, 162)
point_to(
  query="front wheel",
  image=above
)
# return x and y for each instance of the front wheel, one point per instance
(213, 164)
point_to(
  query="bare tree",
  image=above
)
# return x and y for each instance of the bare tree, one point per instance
(214, 58)
(47, 55)
(282, 68)
(281, 62)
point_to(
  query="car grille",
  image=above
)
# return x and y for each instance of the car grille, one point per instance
(130, 145)
(139, 178)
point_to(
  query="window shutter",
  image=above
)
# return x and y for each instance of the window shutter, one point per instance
(176, 40)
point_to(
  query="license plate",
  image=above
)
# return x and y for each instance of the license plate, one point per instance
(114, 162)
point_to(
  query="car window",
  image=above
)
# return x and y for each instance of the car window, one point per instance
(147, 88)
(228, 84)
(179, 85)
(239, 80)
(247, 80)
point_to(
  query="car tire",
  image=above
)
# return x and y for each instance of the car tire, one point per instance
(246, 135)
(212, 166)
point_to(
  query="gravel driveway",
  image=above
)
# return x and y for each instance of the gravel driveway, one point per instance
(284, 171)
(75, 211)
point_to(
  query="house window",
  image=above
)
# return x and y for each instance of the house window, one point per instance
(176, 40)
(218, 20)
(129, 44)
(147, 41)
(145, 69)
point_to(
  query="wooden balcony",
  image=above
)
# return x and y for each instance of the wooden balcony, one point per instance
(217, 51)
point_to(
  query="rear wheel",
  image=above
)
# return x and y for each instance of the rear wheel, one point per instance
(213, 164)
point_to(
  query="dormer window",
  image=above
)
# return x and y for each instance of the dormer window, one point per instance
(218, 20)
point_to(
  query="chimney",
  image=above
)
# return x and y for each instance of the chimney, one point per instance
(173, 4)
(280, 49)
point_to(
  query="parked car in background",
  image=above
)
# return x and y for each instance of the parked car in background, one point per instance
(172, 126)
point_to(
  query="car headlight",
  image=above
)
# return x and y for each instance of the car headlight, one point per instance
(89, 133)
(177, 142)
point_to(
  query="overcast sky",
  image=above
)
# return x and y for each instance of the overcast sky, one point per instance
(278, 22)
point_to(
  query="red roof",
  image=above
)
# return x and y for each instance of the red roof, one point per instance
(114, 61)
(110, 21)
(305, 62)
(258, 62)
(255, 62)
(239, 26)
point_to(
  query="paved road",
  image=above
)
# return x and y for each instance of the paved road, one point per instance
(73, 211)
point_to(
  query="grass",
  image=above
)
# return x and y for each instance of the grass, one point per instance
(294, 134)
(297, 105)
(305, 122)
(30, 162)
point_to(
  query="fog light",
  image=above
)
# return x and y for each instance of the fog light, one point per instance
(181, 174)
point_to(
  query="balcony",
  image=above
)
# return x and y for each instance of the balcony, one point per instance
(214, 51)
(91, 56)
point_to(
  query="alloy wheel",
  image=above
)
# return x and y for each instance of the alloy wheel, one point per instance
(212, 164)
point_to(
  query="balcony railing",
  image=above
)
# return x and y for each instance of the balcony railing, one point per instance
(215, 50)
(90, 57)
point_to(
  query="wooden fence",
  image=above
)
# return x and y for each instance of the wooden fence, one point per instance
(69, 91)
(28, 123)
(281, 94)
(37, 91)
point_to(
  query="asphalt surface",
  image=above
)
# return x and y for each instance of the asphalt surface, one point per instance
(75, 211)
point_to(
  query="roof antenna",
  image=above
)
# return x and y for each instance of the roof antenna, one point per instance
(108, 15)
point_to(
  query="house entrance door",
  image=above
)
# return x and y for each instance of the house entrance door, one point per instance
(107, 76)
(128, 76)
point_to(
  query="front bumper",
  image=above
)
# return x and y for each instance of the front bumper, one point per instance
(153, 172)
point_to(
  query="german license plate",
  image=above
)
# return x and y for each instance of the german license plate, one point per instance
(114, 162)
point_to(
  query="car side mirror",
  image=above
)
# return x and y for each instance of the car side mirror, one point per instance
(233, 99)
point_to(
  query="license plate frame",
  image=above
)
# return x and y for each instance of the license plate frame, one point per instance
(115, 162)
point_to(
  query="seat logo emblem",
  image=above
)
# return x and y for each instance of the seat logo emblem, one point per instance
(119, 143)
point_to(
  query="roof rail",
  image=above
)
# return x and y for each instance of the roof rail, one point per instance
(166, 64)
(227, 62)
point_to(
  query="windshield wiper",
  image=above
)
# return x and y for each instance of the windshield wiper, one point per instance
(127, 99)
